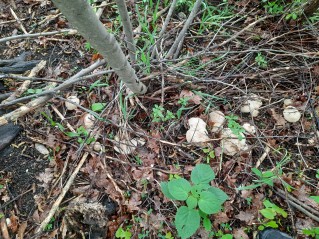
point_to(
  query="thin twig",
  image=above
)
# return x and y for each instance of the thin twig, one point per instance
(69, 31)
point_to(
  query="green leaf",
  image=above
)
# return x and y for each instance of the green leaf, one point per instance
(207, 224)
(315, 198)
(191, 201)
(257, 172)
(268, 213)
(179, 188)
(164, 187)
(187, 221)
(267, 174)
(202, 173)
(219, 194)
(97, 107)
(72, 134)
(272, 224)
(198, 188)
(227, 236)
(209, 203)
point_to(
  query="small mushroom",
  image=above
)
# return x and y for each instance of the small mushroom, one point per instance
(231, 144)
(88, 121)
(251, 105)
(288, 102)
(71, 106)
(127, 146)
(217, 119)
(197, 132)
(97, 147)
(249, 128)
(291, 114)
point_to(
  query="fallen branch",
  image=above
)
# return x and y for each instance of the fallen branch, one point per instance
(69, 31)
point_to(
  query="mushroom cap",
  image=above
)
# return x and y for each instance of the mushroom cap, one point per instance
(88, 121)
(231, 144)
(217, 118)
(251, 105)
(249, 128)
(197, 124)
(194, 136)
(74, 99)
(291, 114)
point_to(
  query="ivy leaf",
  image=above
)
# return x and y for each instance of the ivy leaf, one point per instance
(179, 188)
(209, 203)
(164, 187)
(187, 221)
(202, 173)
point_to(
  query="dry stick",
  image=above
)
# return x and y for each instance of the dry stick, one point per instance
(12, 116)
(62, 86)
(127, 27)
(240, 32)
(167, 19)
(18, 20)
(24, 86)
(69, 31)
(66, 188)
(180, 39)
(297, 204)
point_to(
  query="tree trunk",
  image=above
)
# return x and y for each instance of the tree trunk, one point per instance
(127, 27)
(310, 8)
(80, 14)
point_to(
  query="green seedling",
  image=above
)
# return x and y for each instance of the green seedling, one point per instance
(183, 102)
(49, 226)
(81, 134)
(201, 200)
(159, 115)
(261, 60)
(311, 232)
(236, 128)
(34, 91)
(96, 84)
(270, 212)
(123, 234)
(210, 154)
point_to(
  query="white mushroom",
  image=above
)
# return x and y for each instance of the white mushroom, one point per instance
(287, 102)
(197, 132)
(71, 106)
(251, 105)
(97, 146)
(230, 143)
(127, 146)
(249, 128)
(217, 119)
(88, 121)
(291, 114)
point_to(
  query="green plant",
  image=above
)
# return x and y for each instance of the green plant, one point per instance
(317, 173)
(49, 226)
(261, 60)
(183, 102)
(236, 128)
(201, 199)
(34, 91)
(274, 7)
(81, 134)
(97, 84)
(123, 234)
(98, 107)
(312, 232)
(159, 115)
(271, 211)
(210, 154)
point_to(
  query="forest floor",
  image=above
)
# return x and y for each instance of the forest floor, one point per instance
(234, 53)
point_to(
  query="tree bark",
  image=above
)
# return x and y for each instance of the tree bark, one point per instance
(80, 14)
(310, 8)
(127, 27)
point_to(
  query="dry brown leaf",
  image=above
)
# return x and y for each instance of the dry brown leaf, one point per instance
(240, 234)
(280, 121)
(196, 99)
(247, 217)
(45, 177)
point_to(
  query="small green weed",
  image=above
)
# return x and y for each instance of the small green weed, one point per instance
(261, 60)
(123, 234)
(235, 127)
(312, 232)
(49, 226)
(98, 83)
(270, 212)
(199, 196)
(98, 107)
(81, 133)
(159, 115)
(210, 154)
(34, 91)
